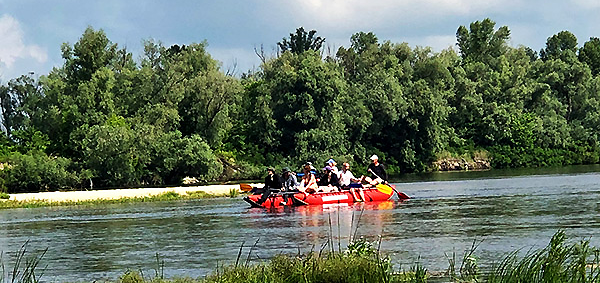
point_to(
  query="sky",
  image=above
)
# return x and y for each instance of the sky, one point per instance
(32, 31)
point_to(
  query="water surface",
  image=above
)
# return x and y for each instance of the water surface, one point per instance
(447, 213)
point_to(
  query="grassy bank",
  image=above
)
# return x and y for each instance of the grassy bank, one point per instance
(361, 262)
(167, 196)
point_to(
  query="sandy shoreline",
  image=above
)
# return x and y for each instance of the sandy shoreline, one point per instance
(122, 193)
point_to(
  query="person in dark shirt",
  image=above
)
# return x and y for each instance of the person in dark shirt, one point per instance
(272, 184)
(329, 179)
(290, 184)
(378, 174)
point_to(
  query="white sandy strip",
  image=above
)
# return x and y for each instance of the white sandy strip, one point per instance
(123, 193)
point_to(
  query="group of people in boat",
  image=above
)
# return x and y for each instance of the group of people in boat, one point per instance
(330, 180)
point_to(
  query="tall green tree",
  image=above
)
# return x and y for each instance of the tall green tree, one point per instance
(210, 98)
(481, 43)
(590, 54)
(558, 45)
(81, 93)
(18, 100)
(301, 41)
(297, 105)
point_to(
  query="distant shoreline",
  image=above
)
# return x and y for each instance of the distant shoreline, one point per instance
(73, 196)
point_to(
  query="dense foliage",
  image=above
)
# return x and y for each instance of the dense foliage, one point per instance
(105, 119)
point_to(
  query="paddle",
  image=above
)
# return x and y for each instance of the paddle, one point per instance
(401, 195)
(245, 187)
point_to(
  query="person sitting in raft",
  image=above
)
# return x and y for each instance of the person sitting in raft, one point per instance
(308, 184)
(378, 174)
(346, 176)
(272, 184)
(290, 183)
(331, 163)
(329, 180)
(349, 182)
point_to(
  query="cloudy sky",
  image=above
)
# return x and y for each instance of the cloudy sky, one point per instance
(32, 31)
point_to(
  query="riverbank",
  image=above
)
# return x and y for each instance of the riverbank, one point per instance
(78, 196)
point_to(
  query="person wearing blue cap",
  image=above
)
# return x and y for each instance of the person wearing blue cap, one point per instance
(331, 163)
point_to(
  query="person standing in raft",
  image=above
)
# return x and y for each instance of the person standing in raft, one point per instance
(290, 183)
(272, 184)
(378, 174)
(309, 181)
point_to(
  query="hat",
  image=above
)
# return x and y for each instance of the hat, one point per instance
(285, 170)
(374, 157)
(331, 161)
(271, 169)
(309, 165)
(327, 168)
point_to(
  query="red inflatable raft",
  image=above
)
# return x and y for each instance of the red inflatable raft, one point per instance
(379, 193)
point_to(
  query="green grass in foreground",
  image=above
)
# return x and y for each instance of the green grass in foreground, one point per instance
(167, 196)
(559, 262)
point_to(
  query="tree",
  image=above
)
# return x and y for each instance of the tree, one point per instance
(480, 43)
(293, 105)
(590, 54)
(82, 92)
(362, 41)
(301, 41)
(18, 100)
(559, 45)
(210, 98)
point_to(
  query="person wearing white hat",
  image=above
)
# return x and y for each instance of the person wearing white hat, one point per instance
(377, 170)
(331, 163)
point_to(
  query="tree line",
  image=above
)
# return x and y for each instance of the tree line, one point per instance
(104, 119)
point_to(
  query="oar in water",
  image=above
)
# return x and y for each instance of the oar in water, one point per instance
(401, 195)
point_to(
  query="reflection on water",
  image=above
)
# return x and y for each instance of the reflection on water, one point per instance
(508, 213)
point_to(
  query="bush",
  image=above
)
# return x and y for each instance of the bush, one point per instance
(37, 171)
(198, 159)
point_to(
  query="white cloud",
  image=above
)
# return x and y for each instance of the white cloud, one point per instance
(588, 4)
(350, 14)
(13, 47)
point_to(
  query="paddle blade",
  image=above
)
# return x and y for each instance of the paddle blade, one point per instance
(245, 187)
(385, 189)
(402, 196)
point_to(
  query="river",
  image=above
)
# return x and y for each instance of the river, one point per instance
(503, 211)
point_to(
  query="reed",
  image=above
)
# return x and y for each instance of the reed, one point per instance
(359, 262)
(328, 267)
(25, 267)
(558, 262)
(233, 193)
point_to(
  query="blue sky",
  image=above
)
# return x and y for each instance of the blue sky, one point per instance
(32, 31)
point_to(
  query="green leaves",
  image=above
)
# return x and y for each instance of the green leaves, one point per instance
(175, 113)
(480, 42)
(301, 41)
